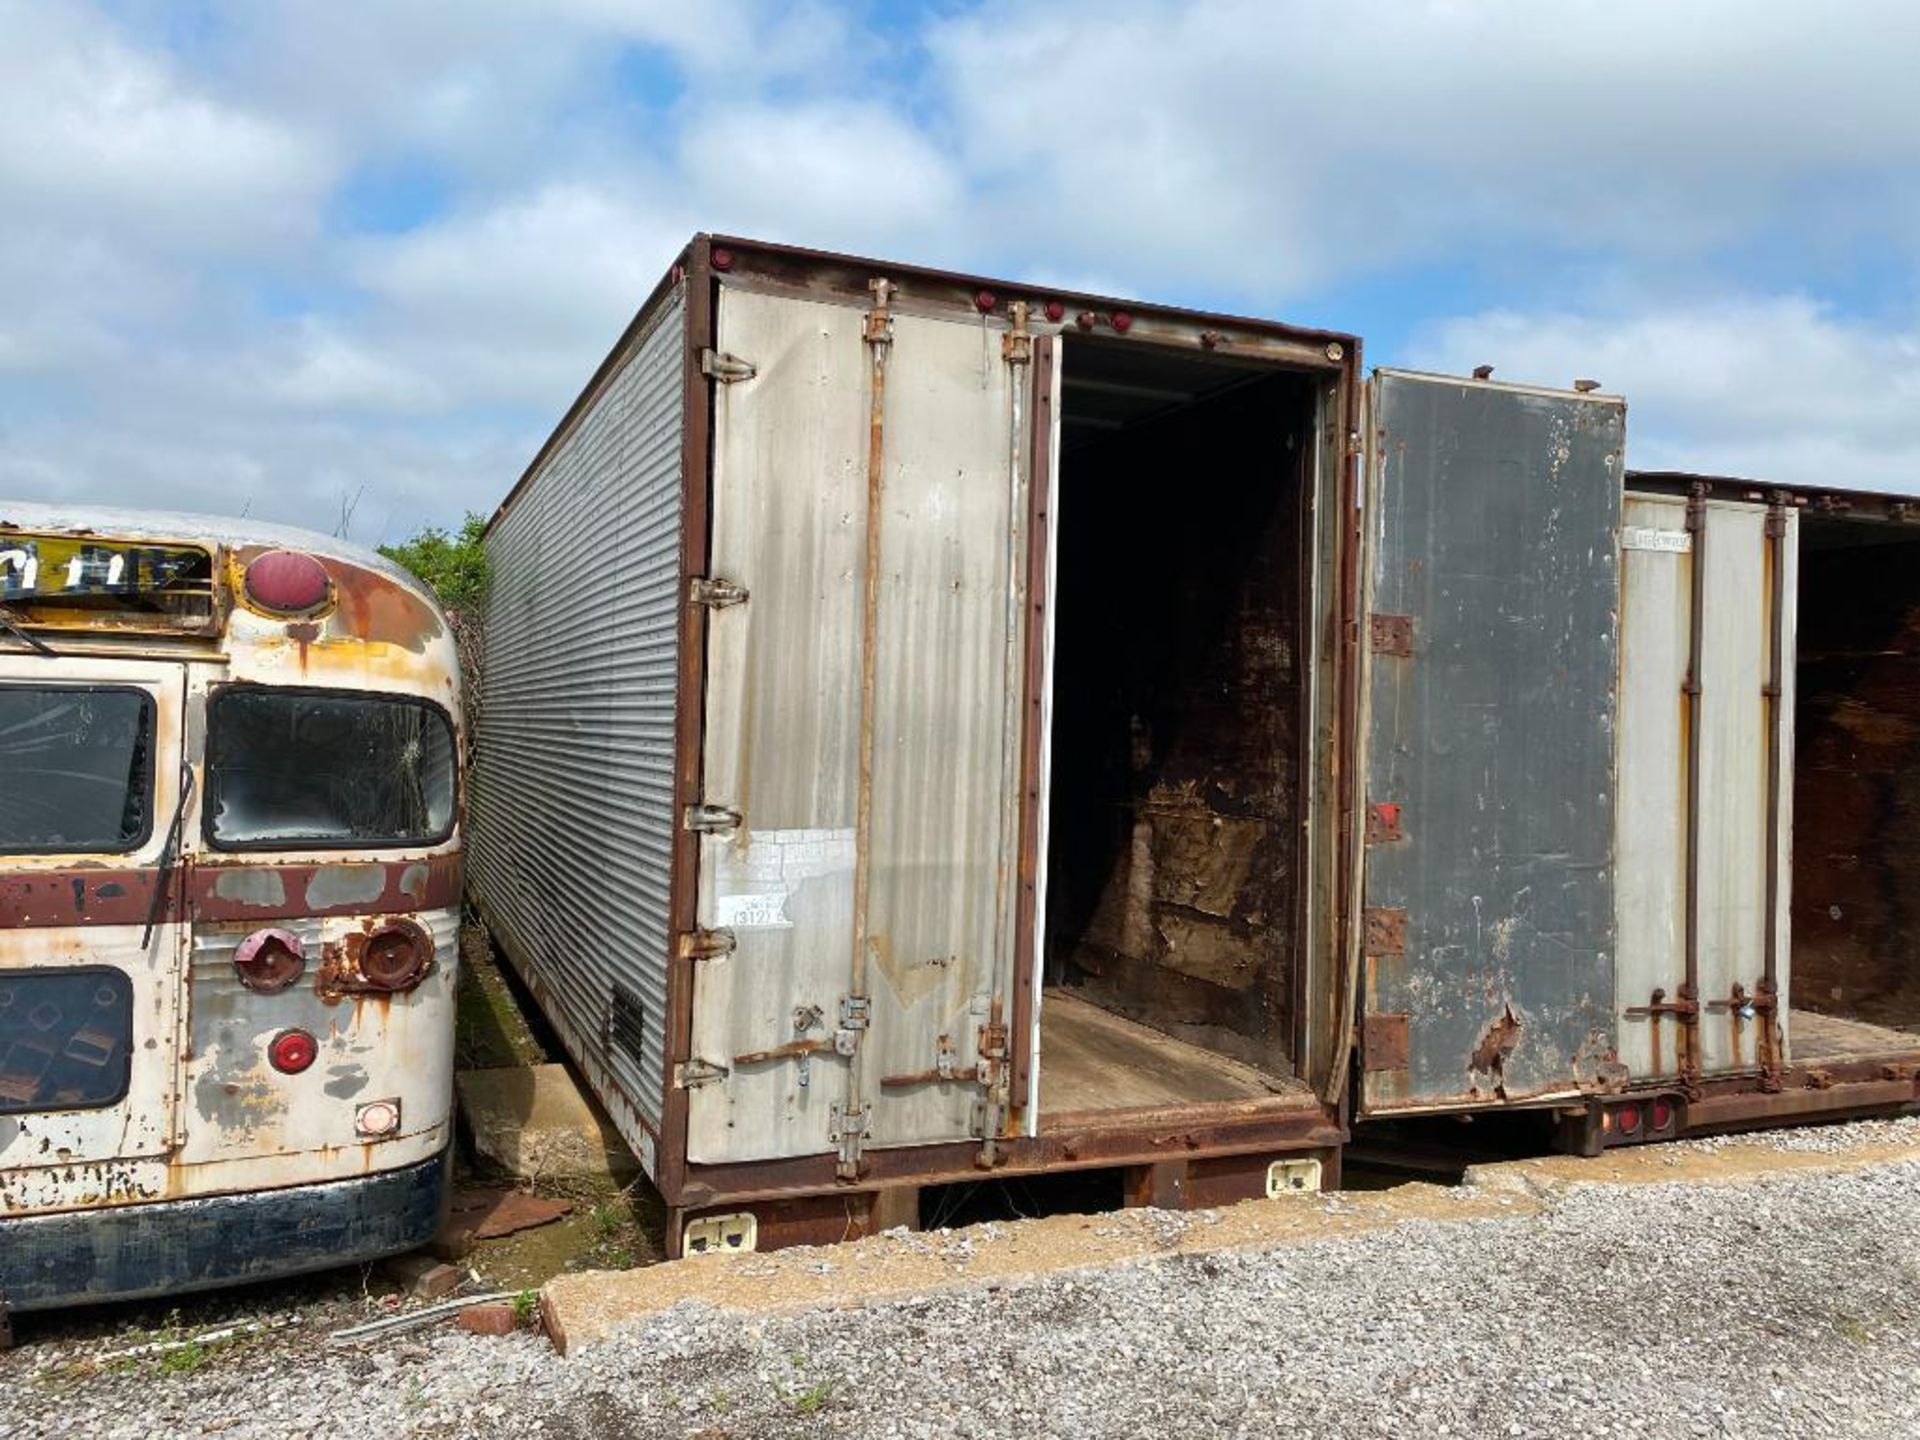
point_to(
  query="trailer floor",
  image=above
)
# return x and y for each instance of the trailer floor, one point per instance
(1812, 1038)
(1092, 1060)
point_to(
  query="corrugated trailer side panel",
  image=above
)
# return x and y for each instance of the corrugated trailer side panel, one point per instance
(572, 808)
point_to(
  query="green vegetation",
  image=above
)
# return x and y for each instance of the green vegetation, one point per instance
(526, 1305)
(454, 564)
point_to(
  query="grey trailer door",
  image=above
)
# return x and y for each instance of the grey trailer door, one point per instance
(860, 774)
(1492, 687)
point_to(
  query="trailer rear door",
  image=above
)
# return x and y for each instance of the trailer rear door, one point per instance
(1492, 689)
(861, 733)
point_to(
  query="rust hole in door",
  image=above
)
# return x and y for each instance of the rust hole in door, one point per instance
(1497, 1042)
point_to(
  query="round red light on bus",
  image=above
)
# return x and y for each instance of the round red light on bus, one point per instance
(396, 955)
(1121, 322)
(269, 960)
(292, 1051)
(287, 582)
(1629, 1118)
(985, 300)
(1660, 1114)
(1056, 311)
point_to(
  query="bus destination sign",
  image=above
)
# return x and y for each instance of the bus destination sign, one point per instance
(74, 581)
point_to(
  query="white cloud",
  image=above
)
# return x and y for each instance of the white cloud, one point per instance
(1272, 146)
(1769, 388)
(185, 312)
(96, 133)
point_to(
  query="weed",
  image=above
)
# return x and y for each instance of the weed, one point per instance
(608, 1219)
(185, 1359)
(1852, 1327)
(526, 1305)
(813, 1399)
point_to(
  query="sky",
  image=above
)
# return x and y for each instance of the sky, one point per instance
(331, 263)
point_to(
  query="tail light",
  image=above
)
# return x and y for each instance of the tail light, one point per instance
(396, 955)
(1660, 1113)
(269, 960)
(292, 1051)
(1627, 1117)
(287, 582)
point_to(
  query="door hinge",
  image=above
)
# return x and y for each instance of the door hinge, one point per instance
(715, 593)
(855, 1011)
(711, 819)
(1391, 634)
(690, 1074)
(706, 944)
(1384, 823)
(1384, 930)
(726, 369)
(1386, 1042)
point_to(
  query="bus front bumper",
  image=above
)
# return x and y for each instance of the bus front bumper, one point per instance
(136, 1252)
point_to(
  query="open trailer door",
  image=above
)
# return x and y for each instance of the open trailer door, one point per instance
(1493, 573)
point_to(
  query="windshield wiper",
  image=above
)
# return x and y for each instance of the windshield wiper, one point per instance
(33, 642)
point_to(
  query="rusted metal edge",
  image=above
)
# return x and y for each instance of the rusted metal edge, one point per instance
(689, 726)
(1353, 684)
(1870, 506)
(1188, 1137)
(1027, 920)
(958, 291)
(83, 897)
(1776, 718)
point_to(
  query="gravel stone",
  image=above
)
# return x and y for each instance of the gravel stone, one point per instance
(1784, 1306)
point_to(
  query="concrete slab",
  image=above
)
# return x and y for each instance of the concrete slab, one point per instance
(536, 1123)
(584, 1308)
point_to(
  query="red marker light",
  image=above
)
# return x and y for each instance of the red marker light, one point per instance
(1121, 322)
(292, 1051)
(1660, 1114)
(1629, 1116)
(1056, 311)
(722, 258)
(985, 300)
(286, 582)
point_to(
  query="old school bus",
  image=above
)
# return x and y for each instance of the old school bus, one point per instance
(229, 903)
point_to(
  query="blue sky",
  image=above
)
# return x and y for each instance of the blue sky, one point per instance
(301, 257)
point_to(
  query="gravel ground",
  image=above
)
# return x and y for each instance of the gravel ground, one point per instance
(1784, 1306)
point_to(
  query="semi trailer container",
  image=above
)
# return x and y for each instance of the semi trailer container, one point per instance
(933, 728)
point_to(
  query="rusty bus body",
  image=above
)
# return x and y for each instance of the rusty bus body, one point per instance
(230, 873)
(934, 728)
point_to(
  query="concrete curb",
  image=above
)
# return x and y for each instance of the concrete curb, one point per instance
(580, 1310)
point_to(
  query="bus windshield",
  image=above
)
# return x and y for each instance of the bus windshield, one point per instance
(326, 768)
(78, 768)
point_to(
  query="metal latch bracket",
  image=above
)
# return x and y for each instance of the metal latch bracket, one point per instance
(690, 1074)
